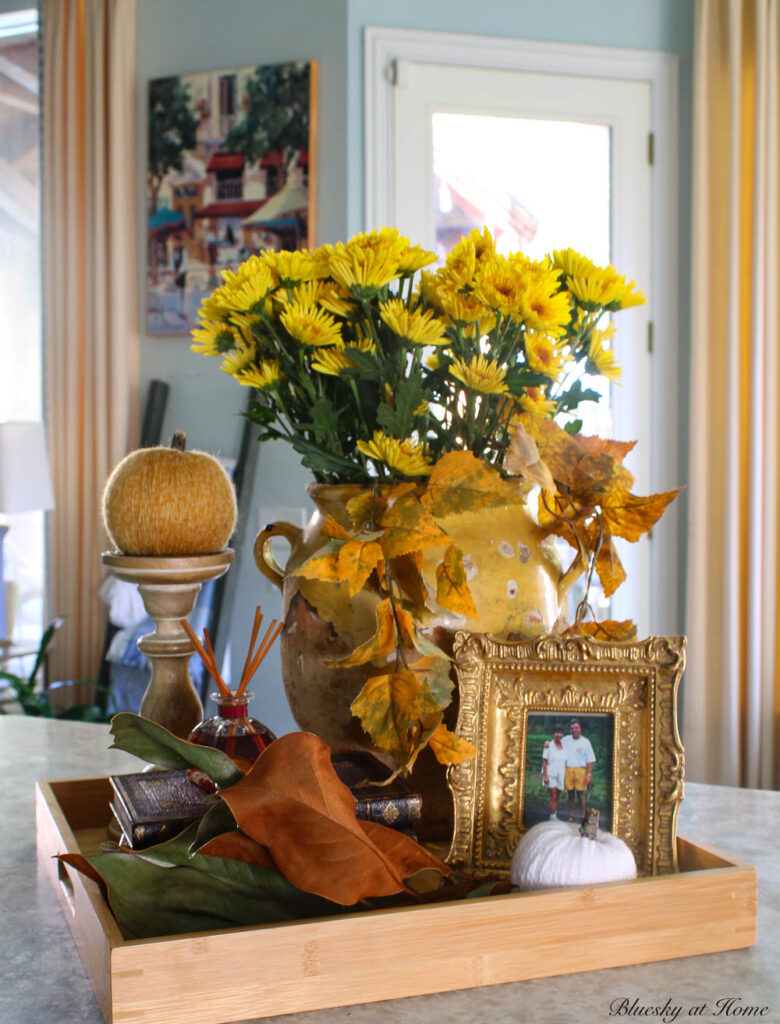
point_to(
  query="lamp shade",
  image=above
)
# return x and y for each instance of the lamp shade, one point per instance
(25, 479)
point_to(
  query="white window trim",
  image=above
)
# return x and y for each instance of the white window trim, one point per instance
(385, 51)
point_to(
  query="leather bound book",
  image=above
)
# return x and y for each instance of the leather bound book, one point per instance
(395, 805)
(152, 807)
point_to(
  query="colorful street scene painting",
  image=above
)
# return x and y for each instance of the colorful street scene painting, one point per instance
(230, 172)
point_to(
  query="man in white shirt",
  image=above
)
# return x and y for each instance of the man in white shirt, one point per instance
(579, 762)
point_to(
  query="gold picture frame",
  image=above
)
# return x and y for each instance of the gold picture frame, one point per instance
(502, 682)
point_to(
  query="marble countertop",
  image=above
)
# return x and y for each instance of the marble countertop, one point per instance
(42, 979)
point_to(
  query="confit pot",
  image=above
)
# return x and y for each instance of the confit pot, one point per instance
(518, 589)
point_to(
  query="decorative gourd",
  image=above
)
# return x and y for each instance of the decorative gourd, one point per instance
(558, 853)
(167, 501)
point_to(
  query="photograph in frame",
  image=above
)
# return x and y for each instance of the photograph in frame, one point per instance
(512, 693)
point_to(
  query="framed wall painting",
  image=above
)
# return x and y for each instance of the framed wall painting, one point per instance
(231, 170)
(616, 704)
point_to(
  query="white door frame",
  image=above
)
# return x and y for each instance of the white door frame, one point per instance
(386, 50)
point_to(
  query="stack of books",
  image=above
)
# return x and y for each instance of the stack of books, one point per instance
(152, 807)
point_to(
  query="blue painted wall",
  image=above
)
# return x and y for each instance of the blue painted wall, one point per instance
(189, 35)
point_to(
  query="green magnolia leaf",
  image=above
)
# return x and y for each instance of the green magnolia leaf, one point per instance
(154, 744)
(215, 822)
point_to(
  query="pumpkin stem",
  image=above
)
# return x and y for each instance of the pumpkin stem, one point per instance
(179, 440)
(590, 827)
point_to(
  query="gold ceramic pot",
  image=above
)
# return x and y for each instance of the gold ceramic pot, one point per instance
(513, 573)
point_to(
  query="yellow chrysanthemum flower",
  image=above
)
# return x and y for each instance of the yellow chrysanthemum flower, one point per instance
(363, 272)
(408, 457)
(330, 361)
(572, 263)
(422, 409)
(534, 400)
(415, 258)
(250, 295)
(215, 306)
(543, 310)
(500, 286)
(433, 362)
(604, 287)
(311, 326)
(336, 300)
(235, 362)
(363, 342)
(294, 267)
(460, 308)
(481, 374)
(413, 325)
(461, 264)
(213, 338)
(602, 360)
(543, 355)
(261, 376)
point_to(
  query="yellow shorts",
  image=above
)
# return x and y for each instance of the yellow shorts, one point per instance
(575, 779)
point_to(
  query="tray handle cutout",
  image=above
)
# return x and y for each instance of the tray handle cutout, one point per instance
(66, 886)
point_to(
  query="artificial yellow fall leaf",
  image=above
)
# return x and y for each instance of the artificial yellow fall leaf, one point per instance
(406, 572)
(384, 707)
(609, 629)
(629, 516)
(452, 590)
(449, 748)
(412, 638)
(408, 527)
(366, 507)
(382, 643)
(335, 530)
(597, 445)
(460, 482)
(323, 565)
(356, 561)
(435, 672)
(609, 567)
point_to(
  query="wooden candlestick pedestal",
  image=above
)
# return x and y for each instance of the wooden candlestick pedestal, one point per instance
(169, 587)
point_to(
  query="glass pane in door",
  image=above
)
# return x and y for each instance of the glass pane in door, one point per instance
(538, 185)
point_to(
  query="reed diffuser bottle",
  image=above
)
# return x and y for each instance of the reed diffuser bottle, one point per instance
(232, 729)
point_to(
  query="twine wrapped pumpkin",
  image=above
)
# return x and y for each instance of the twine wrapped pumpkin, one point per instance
(168, 501)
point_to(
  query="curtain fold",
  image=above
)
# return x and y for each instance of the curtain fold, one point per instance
(731, 698)
(90, 297)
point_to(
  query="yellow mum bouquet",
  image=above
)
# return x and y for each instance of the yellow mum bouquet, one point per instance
(370, 366)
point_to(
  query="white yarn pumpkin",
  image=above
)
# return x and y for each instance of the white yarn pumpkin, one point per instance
(555, 854)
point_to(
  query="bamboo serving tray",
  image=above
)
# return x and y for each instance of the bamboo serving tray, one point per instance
(709, 907)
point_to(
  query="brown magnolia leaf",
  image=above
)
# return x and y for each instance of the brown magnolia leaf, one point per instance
(385, 707)
(629, 516)
(452, 589)
(426, 881)
(409, 527)
(330, 528)
(323, 564)
(449, 748)
(460, 482)
(80, 863)
(382, 643)
(293, 802)
(522, 459)
(236, 845)
(609, 629)
(405, 853)
(407, 572)
(356, 561)
(609, 567)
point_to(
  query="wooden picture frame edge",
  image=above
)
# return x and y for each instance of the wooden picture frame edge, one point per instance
(500, 681)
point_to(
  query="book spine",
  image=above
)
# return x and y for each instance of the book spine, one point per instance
(395, 812)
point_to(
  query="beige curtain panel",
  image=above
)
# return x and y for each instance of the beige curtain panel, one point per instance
(90, 306)
(731, 698)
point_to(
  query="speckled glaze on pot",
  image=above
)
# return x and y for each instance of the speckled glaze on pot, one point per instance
(514, 577)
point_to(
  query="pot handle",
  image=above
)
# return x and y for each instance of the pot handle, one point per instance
(264, 557)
